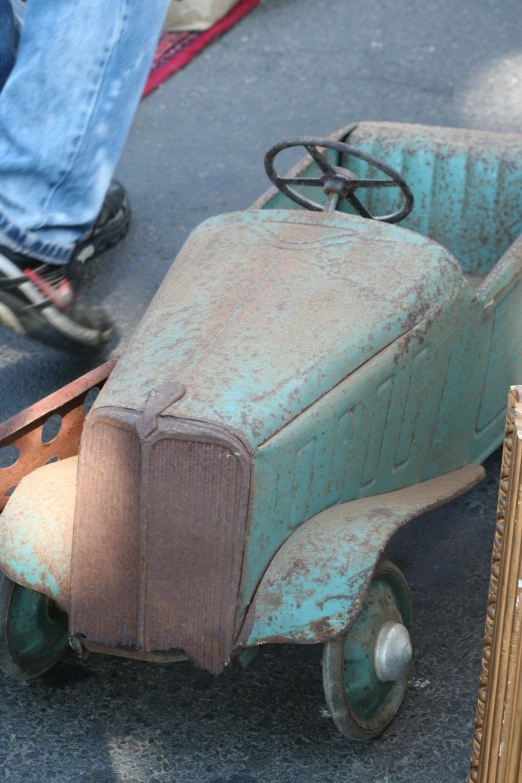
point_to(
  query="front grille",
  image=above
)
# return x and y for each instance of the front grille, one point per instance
(158, 536)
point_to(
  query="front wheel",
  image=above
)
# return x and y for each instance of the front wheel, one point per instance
(33, 630)
(366, 671)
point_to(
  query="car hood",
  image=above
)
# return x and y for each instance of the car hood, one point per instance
(263, 312)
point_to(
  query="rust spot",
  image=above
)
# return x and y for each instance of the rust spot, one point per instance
(320, 629)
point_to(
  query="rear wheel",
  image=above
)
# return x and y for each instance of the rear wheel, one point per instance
(366, 671)
(33, 630)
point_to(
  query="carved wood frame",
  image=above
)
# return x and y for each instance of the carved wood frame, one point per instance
(497, 743)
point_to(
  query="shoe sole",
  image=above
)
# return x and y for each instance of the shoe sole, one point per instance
(9, 319)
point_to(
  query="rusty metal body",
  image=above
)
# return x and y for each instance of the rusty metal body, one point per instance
(293, 366)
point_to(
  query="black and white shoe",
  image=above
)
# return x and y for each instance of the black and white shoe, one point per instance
(39, 300)
(111, 226)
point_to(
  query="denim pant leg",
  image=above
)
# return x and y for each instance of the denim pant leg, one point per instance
(7, 40)
(65, 111)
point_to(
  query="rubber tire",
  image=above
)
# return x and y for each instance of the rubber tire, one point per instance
(8, 662)
(333, 670)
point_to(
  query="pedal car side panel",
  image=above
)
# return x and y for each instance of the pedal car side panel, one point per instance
(392, 423)
(317, 582)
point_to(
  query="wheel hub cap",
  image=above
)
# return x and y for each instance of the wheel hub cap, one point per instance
(393, 651)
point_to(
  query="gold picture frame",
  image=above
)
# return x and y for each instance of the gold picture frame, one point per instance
(497, 742)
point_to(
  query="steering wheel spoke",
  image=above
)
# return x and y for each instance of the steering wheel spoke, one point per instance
(331, 204)
(359, 207)
(321, 161)
(377, 183)
(338, 183)
(311, 182)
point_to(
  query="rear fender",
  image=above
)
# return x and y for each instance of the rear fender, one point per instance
(317, 582)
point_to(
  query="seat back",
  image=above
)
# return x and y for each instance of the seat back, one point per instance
(467, 186)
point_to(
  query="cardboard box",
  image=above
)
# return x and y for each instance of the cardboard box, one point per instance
(196, 14)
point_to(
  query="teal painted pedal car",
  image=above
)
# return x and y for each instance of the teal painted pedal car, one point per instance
(308, 378)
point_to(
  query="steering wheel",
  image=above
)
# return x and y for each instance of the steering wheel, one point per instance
(338, 183)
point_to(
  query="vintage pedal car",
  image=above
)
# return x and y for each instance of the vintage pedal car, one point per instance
(288, 402)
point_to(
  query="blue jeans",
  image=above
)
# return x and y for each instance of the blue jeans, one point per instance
(69, 88)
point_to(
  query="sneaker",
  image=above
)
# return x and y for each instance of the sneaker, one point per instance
(111, 226)
(39, 300)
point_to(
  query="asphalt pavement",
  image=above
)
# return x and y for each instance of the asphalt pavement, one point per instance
(196, 149)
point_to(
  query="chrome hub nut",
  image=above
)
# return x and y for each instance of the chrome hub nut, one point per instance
(393, 651)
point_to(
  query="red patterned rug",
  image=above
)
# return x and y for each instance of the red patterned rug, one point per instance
(175, 50)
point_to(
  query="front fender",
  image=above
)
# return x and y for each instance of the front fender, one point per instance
(316, 584)
(36, 530)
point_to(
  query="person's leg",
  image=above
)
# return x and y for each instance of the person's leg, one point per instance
(65, 111)
(7, 40)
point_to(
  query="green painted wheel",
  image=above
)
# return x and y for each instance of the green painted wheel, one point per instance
(33, 630)
(366, 671)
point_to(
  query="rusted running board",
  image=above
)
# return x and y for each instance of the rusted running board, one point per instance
(316, 584)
